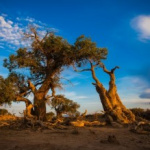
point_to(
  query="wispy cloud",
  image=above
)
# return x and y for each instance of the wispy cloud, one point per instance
(145, 94)
(142, 25)
(133, 89)
(12, 31)
(72, 95)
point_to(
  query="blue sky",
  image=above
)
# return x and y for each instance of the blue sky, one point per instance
(121, 26)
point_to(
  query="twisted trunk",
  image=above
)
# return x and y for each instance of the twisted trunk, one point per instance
(110, 99)
(39, 106)
(29, 107)
(40, 97)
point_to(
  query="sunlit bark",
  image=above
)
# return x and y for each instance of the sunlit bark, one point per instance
(110, 99)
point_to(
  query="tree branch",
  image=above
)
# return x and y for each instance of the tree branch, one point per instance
(20, 98)
(75, 69)
(82, 70)
(47, 33)
(104, 68)
(66, 80)
(112, 70)
(107, 71)
(31, 86)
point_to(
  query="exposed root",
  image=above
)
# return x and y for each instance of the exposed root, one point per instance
(141, 128)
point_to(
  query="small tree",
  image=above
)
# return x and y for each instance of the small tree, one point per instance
(63, 105)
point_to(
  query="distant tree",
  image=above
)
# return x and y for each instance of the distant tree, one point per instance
(63, 105)
(87, 53)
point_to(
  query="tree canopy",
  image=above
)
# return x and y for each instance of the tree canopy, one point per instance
(64, 105)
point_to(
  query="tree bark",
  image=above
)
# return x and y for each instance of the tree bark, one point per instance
(39, 101)
(29, 106)
(110, 99)
(39, 106)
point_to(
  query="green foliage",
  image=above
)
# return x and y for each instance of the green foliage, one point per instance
(45, 57)
(6, 91)
(42, 64)
(4, 112)
(86, 50)
(64, 105)
(139, 112)
(49, 55)
(11, 87)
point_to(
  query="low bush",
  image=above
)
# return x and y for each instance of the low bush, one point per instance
(4, 112)
(139, 112)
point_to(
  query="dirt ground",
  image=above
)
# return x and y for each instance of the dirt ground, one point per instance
(85, 138)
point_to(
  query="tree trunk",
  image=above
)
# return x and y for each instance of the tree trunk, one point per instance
(40, 106)
(40, 97)
(110, 99)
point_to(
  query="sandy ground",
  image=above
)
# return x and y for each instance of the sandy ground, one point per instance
(86, 138)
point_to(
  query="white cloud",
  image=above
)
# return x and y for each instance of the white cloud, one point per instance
(4, 24)
(133, 89)
(142, 25)
(12, 32)
(73, 95)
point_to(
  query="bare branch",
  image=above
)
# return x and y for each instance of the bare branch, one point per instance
(112, 70)
(93, 65)
(47, 33)
(75, 69)
(82, 70)
(39, 83)
(94, 84)
(25, 93)
(66, 80)
(104, 68)
(53, 91)
(31, 86)
(107, 71)
(20, 98)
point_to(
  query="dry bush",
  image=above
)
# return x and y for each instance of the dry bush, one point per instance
(49, 116)
(4, 112)
(139, 112)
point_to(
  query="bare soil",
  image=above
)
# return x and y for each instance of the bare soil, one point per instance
(85, 138)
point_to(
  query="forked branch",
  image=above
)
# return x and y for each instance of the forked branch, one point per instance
(31, 86)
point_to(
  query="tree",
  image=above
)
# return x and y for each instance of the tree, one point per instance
(64, 105)
(14, 88)
(43, 62)
(88, 53)
(5, 92)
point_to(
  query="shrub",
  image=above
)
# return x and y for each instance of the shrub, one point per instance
(49, 116)
(139, 112)
(3, 111)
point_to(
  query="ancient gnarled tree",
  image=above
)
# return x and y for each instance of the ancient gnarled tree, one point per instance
(41, 65)
(88, 53)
